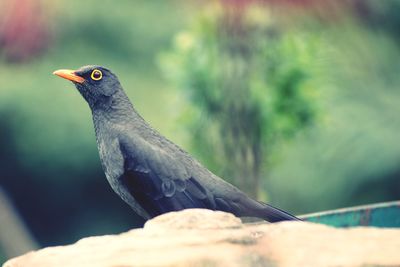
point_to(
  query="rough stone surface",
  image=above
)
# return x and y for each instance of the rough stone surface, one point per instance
(206, 238)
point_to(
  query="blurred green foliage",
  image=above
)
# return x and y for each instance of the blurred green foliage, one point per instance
(250, 86)
(2, 257)
(353, 156)
(342, 68)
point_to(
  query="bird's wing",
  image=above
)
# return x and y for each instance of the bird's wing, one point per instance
(158, 181)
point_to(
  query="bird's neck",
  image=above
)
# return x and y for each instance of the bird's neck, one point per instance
(115, 111)
(116, 107)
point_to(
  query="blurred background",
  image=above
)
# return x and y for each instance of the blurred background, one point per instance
(297, 102)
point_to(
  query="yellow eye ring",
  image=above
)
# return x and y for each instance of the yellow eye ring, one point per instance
(96, 75)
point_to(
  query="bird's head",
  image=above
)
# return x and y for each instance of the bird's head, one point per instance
(95, 83)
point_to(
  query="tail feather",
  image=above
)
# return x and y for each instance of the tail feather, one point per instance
(273, 214)
(268, 212)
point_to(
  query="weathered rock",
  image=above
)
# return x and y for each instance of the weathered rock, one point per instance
(206, 238)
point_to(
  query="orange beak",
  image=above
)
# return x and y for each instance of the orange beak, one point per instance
(69, 75)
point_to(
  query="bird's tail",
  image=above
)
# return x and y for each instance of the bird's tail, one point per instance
(268, 212)
(273, 214)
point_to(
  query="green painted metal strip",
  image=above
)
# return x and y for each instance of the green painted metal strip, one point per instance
(379, 215)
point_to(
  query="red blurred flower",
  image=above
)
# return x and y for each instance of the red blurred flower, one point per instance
(24, 31)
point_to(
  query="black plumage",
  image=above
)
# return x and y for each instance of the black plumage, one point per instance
(149, 172)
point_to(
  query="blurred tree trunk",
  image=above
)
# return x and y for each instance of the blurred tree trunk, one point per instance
(241, 136)
(15, 239)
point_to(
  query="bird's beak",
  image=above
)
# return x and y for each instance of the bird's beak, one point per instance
(69, 75)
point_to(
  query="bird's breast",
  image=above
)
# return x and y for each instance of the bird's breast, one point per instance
(113, 165)
(111, 158)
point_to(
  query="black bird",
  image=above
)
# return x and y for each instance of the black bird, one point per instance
(149, 172)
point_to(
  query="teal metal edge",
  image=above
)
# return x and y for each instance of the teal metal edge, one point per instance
(385, 214)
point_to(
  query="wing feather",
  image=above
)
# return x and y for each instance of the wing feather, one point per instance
(158, 180)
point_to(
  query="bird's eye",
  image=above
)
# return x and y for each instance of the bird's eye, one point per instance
(96, 75)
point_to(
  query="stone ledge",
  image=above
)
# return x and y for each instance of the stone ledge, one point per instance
(206, 238)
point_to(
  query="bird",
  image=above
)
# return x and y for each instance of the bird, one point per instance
(148, 171)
